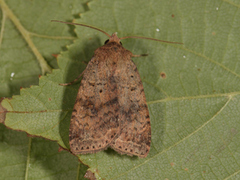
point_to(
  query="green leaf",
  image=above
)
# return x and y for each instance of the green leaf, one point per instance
(26, 25)
(28, 40)
(192, 89)
(25, 157)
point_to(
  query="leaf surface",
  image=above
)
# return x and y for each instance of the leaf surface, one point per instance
(28, 40)
(192, 89)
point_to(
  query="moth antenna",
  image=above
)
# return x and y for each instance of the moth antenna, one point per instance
(140, 37)
(82, 25)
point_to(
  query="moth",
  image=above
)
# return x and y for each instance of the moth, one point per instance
(111, 109)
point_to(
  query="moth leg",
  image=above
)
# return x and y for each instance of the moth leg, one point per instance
(67, 84)
(139, 55)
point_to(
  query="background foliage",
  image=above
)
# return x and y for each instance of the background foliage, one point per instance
(192, 89)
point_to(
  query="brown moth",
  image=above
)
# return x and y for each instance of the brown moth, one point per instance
(111, 108)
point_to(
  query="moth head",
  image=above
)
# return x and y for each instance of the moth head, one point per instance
(113, 38)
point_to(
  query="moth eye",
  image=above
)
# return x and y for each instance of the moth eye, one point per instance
(120, 42)
(106, 41)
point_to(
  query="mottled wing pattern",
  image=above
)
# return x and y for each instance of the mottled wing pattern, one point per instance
(135, 135)
(94, 123)
(110, 108)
